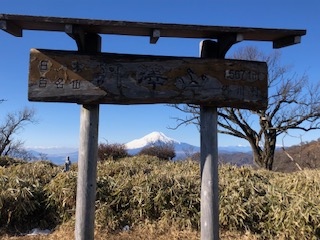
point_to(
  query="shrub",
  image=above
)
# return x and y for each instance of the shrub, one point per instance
(162, 151)
(114, 151)
(6, 161)
(195, 157)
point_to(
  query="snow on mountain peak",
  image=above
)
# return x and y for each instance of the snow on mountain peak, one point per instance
(149, 139)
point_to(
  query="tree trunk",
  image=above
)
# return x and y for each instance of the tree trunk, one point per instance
(264, 157)
(257, 155)
(269, 149)
(268, 158)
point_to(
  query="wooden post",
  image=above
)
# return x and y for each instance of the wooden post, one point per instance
(209, 161)
(88, 155)
(209, 174)
(87, 172)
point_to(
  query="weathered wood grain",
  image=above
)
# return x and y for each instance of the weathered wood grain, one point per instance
(62, 76)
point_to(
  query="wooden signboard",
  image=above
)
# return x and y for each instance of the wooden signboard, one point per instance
(66, 76)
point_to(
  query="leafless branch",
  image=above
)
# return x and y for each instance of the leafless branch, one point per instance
(289, 156)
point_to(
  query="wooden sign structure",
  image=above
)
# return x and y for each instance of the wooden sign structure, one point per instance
(61, 76)
(90, 78)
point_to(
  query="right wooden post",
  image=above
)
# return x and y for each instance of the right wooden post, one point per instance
(209, 159)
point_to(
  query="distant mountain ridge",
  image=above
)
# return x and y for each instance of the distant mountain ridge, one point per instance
(58, 155)
(307, 155)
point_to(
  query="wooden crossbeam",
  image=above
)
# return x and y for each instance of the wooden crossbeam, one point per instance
(149, 29)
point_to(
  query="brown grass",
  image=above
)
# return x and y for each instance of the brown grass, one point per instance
(146, 232)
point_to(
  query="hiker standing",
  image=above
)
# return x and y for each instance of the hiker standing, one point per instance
(67, 164)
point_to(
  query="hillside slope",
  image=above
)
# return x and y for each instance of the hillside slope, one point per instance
(306, 155)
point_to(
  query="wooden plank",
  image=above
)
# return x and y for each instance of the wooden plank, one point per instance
(61, 76)
(44, 23)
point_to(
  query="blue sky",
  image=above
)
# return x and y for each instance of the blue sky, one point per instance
(58, 123)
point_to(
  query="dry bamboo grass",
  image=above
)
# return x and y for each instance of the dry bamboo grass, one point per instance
(156, 197)
(22, 199)
(144, 188)
(273, 205)
(147, 232)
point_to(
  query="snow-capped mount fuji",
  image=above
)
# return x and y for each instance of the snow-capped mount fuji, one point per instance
(151, 138)
(155, 138)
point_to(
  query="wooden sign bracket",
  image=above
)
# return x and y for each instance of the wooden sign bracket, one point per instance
(88, 43)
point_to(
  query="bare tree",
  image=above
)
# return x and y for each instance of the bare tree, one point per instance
(43, 156)
(9, 128)
(114, 151)
(293, 103)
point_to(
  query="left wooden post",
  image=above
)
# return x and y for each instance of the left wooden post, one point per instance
(88, 154)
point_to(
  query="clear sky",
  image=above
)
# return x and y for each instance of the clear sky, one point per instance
(58, 123)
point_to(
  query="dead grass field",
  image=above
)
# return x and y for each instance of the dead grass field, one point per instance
(148, 232)
(160, 200)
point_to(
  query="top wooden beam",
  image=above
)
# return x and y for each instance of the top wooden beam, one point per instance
(14, 24)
